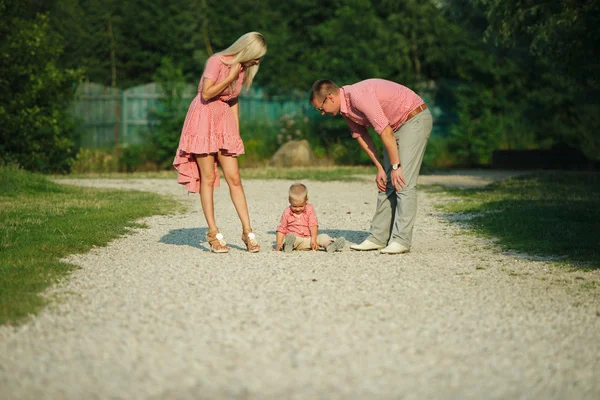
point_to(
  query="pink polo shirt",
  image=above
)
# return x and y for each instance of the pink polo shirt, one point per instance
(298, 224)
(376, 103)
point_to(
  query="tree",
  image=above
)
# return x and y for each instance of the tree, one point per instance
(164, 137)
(37, 132)
(562, 35)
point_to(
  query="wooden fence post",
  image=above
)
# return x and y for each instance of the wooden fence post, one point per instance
(117, 123)
(124, 122)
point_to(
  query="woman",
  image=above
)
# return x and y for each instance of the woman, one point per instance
(211, 134)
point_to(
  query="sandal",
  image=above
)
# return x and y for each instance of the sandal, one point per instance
(216, 243)
(249, 240)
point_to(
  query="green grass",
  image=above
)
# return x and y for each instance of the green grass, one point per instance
(42, 222)
(310, 173)
(543, 214)
(170, 174)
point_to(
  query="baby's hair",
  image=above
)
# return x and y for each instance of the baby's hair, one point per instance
(298, 192)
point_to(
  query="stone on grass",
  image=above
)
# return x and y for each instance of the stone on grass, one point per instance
(295, 153)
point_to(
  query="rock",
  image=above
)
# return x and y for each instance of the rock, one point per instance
(295, 153)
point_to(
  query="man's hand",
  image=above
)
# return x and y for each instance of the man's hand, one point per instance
(381, 180)
(398, 180)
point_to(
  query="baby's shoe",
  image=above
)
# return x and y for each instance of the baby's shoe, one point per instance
(288, 242)
(337, 245)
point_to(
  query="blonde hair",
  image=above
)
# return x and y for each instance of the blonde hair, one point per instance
(298, 192)
(322, 88)
(248, 47)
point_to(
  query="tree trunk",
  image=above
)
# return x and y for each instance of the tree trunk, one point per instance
(205, 29)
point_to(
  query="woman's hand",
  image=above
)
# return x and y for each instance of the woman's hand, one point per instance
(234, 71)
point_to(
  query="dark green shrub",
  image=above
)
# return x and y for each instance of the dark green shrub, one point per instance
(164, 136)
(37, 132)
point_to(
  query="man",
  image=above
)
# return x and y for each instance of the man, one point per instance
(404, 123)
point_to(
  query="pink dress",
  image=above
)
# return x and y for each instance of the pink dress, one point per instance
(209, 126)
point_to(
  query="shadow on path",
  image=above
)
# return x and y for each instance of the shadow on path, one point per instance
(350, 236)
(194, 237)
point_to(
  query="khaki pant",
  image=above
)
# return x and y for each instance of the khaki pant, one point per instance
(303, 243)
(394, 217)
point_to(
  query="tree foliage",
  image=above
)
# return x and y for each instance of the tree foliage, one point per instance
(35, 93)
(506, 73)
(562, 37)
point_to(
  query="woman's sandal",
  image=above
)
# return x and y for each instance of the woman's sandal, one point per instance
(249, 240)
(216, 243)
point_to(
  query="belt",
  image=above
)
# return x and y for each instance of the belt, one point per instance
(416, 111)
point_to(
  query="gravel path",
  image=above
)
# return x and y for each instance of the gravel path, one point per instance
(155, 316)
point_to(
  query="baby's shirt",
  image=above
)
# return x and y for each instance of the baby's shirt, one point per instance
(298, 224)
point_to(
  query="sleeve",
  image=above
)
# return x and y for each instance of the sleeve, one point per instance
(356, 129)
(282, 227)
(213, 67)
(368, 103)
(312, 216)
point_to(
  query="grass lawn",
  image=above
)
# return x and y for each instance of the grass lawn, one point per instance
(42, 222)
(544, 214)
(335, 173)
(310, 173)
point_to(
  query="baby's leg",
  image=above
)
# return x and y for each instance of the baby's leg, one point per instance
(333, 245)
(323, 240)
(302, 243)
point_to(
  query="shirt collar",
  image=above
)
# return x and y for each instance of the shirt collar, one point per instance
(343, 104)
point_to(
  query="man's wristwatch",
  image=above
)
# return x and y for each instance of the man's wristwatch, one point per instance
(395, 166)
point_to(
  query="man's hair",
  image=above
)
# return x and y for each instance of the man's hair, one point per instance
(298, 192)
(322, 88)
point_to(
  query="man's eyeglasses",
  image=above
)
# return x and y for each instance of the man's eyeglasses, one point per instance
(320, 109)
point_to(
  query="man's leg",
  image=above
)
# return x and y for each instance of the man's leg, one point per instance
(412, 140)
(381, 223)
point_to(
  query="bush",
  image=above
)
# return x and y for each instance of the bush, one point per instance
(96, 161)
(164, 137)
(37, 132)
(437, 154)
(139, 158)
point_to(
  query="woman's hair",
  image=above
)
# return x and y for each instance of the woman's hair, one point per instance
(298, 192)
(248, 47)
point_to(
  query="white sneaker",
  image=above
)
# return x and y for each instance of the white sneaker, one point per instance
(367, 245)
(395, 248)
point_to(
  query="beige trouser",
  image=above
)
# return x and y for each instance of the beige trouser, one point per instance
(394, 217)
(303, 243)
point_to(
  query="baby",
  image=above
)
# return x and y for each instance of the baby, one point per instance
(299, 228)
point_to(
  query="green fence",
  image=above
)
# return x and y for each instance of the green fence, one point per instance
(110, 115)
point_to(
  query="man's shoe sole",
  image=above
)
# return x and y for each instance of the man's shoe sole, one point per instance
(395, 252)
(357, 247)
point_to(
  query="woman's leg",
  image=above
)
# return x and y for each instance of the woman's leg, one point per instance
(206, 165)
(231, 172)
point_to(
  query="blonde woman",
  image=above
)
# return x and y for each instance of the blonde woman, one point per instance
(211, 134)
